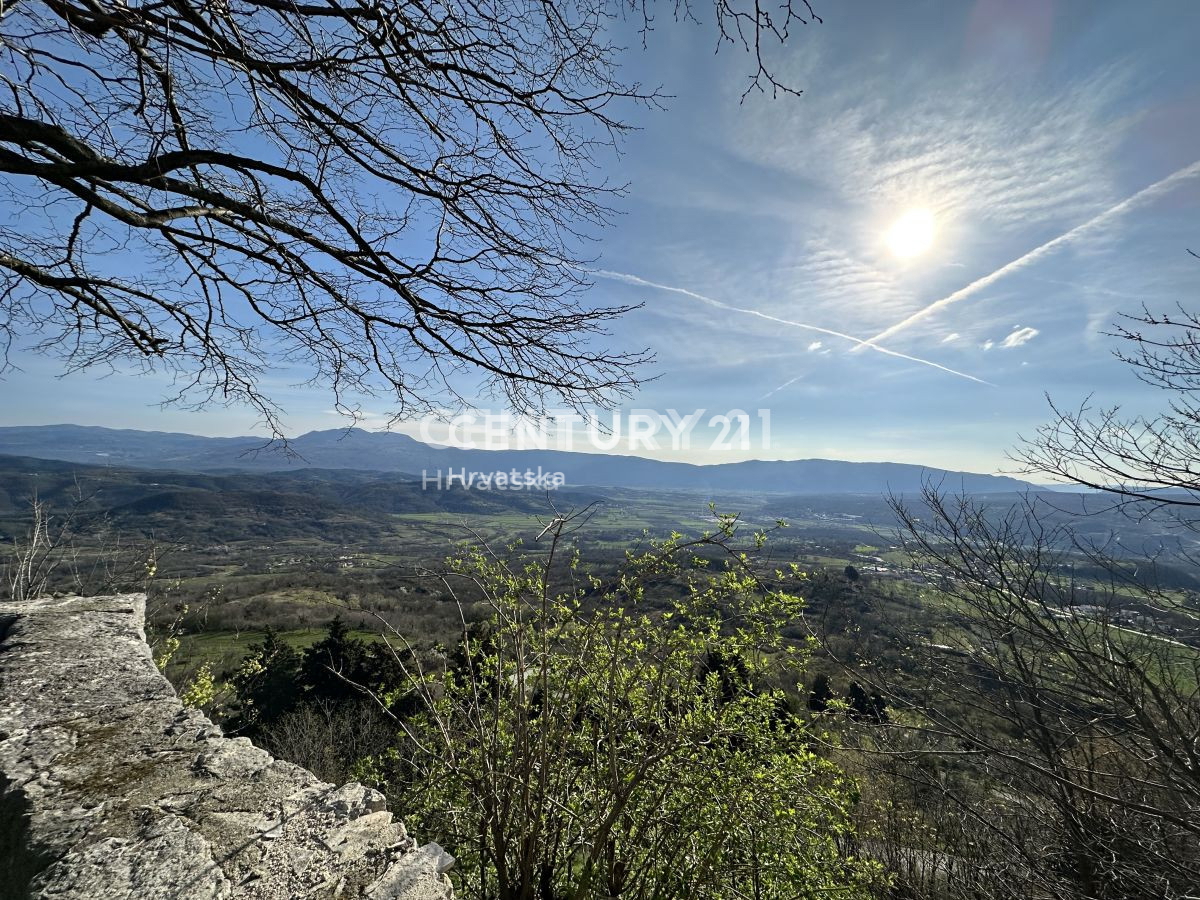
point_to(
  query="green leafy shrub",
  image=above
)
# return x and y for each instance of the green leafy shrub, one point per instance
(583, 748)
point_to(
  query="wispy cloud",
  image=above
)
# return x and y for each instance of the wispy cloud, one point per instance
(937, 131)
(1145, 195)
(835, 275)
(642, 282)
(1019, 337)
(952, 336)
(815, 345)
(935, 134)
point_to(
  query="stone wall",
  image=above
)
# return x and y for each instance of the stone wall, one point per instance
(109, 788)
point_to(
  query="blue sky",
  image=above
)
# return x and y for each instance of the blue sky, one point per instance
(1015, 125)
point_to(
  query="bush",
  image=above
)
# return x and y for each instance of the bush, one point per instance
(591, 751)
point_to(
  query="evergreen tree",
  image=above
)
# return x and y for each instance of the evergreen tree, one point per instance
(821, 694)
(266, 684)
(336, 665)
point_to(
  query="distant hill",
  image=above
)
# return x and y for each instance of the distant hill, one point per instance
(405, 458)
(221, 508)
(309, 493)
(348, 505)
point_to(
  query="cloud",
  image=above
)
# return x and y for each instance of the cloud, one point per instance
(952, 336)
(1145, 195)
(815, 345)
(830, 173)
(988, 345)
(936, 133)
(1019, 337)
(642, 282)
(833, 275)
(935, 129)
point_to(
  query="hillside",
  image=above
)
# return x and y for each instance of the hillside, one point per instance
(401, 455)
(221, 507)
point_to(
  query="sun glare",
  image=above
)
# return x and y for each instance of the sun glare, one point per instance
(911, 234)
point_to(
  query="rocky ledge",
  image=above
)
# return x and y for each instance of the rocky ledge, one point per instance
(110, 788)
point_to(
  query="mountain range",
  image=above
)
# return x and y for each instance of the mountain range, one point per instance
(410, 459)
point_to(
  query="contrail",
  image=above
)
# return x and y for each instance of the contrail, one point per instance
(642, 282)
(776, 390)
(1147, 193)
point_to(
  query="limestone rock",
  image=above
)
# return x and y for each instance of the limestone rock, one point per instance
(110, 789)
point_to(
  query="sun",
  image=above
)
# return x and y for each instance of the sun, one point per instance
(912, 234)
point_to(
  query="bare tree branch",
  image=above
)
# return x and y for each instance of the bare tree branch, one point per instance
(381, 199)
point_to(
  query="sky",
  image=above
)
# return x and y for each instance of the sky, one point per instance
(899, 264)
